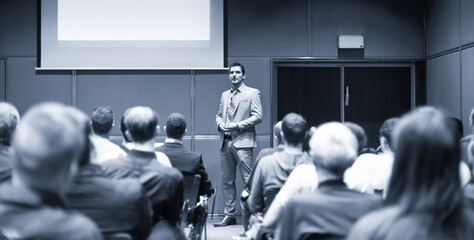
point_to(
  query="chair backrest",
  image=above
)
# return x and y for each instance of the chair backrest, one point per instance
(269, 195)
(191, 188)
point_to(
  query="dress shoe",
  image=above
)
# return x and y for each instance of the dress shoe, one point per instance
(225, 222)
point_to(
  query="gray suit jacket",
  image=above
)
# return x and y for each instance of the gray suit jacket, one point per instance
(248, 113)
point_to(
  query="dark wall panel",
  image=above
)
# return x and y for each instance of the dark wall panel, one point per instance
(209, 147)
(210, 85)
(390, 28)
(26, 87)
(443, 85)
(467, 87)
(18, 28)
(165, 91)
(267, 28)
(467, 19)
(2, 79)
(442, 25)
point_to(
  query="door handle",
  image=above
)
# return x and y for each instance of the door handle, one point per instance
(346, 101)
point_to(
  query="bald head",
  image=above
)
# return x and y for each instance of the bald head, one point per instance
(141, 122)
(9, 118)
(333, 147)
(47, 147)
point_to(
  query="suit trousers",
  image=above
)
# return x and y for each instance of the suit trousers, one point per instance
(231, 158)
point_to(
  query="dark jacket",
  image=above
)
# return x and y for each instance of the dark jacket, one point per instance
(188, 162)
(115, 205)
(25, 214)
(164, 185)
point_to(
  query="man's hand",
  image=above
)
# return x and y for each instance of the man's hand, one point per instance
(229, 127)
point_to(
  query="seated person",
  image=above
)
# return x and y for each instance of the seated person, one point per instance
(272, 171)
(303, 179)
(424, 198)
(9, 118)
(102, 122)
(127, 143)
(164, 185)
(117, 206)
(47, 150)
(186, 161)
(332, 208)
(370, 172)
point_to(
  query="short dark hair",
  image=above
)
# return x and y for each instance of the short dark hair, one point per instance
(294, 128)
(9, 118)
(175, 126)
(102, 120)
(387, 128)
(237, 64)
(359, 133)
(141, 122)
(456, 127)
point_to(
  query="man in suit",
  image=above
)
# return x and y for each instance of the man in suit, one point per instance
(189, 163)
(240, 110)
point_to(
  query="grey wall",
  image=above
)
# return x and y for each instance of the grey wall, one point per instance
(450, 57)
(258, 33)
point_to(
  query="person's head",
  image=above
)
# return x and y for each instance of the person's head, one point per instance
(236, 74)
(9, 118)
(141, 124)
(277, 132)
(123, 127)
(47, 148)
(333, 148)
(425, 176)
(102, 120)
(176, 126)
(359, 133)
(386, 132)
(82, 122)
(293, 129)
(456, 127)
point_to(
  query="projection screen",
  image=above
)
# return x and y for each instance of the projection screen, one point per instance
(132, 34)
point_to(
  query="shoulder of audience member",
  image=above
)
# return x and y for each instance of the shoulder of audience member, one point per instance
(129, 189)
(368, 225)
(74, 225)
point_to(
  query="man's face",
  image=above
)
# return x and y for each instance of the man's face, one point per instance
(236, 76)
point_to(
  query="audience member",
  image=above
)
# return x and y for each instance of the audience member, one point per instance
(117, 206)
(303, 179)
(248, 187)
(102, 122)
(127, 142)
(370, 172)
(47, 149)
(331, 210)
(272, 171)
(186, 161)
(9, 118)
(424, 198)
(164, 184)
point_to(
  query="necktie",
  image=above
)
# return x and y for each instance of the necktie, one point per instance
(231, 107)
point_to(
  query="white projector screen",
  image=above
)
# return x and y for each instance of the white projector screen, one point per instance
(132, 34)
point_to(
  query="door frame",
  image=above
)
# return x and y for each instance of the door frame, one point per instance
(276, 63)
